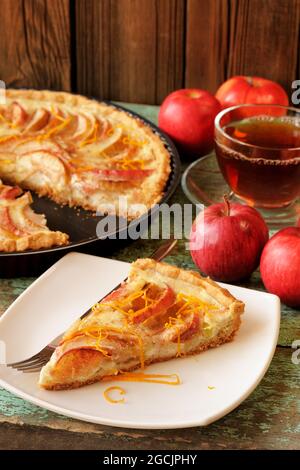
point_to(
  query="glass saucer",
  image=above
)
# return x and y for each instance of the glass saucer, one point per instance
(203, 183)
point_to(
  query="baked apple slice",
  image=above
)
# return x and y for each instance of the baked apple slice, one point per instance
(18, 115)
(9, 192)
(85, 127)
(38, 121)
(39, 169)
(99, 146)
(8, 224)
(20, 227)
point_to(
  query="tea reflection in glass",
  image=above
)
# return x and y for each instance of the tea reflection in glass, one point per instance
(258, 151)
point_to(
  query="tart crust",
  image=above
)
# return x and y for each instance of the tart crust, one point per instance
(36, 241)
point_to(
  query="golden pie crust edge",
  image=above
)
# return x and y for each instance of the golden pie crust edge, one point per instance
(35, 241)
(220, 294)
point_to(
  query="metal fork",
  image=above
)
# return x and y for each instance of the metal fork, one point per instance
(36, 362)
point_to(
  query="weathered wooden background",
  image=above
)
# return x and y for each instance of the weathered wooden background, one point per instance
(140, 50)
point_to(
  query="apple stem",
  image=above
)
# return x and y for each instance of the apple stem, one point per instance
(227, 205)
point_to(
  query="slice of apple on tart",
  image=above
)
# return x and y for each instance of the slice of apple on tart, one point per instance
(20, 227)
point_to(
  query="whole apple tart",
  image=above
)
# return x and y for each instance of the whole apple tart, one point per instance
(81, 152)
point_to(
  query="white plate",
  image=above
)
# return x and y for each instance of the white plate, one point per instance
(75, 283)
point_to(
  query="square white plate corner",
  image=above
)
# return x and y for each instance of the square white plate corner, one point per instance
(213, 382)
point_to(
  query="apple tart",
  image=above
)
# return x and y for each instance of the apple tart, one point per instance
(81, 152)
(161, 312)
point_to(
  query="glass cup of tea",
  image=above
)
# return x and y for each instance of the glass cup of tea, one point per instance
(258, 152)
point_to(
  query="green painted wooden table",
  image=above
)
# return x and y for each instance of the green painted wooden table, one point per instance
(268, 419)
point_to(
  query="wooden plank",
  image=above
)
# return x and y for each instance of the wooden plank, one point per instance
(206, 43)
(264, 39)
(268, 419)
(241, 37)
(35, 44)
(129, 50)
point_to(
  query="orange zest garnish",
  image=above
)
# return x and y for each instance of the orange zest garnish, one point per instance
(54, 113)
(109, 132)
(56, 129)
(96, 333)
(92, 138)
(127, 140)
(113, 389)
(120, 304)
(129, 164)
(7, 137)
(8, 123)
(99, 337)
(93, 331)
(190, 304)
(176, 321)
(165, 379)
(195, 301)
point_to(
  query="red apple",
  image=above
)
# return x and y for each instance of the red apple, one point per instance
(280, 265)
(187, 116)
(252, 90)
(226, 241)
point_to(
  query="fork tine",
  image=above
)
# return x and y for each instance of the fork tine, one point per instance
(25, 361)
(30, 371)
(31, 366)
(46, 352)
(24, 369)
(35, 368)
(30, 363)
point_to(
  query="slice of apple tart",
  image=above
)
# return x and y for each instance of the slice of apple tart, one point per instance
(20, 227)
(81, 152)
(161, 312)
